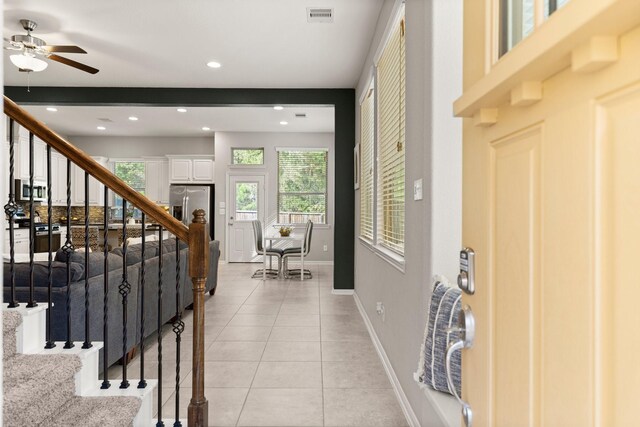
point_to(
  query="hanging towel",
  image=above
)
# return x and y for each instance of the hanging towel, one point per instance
(443, 313)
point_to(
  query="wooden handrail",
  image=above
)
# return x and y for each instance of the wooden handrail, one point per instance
(95, 169)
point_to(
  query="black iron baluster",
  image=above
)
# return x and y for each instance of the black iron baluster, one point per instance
(142, 383)
(32, 233)
(160, 423)
(68, 249)
(124, 289)
(11, 208)
(87, 340)
(49, 343)
(105, 320)
(178, 328)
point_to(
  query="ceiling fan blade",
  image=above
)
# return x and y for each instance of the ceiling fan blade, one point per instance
(72, 63)
(64, 49)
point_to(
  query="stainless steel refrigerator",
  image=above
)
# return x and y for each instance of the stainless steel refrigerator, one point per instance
(186, 198)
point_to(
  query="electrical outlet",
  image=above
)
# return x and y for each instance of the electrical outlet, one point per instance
(325, 248)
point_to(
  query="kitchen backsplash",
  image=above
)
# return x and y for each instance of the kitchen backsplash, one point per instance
(96, 213)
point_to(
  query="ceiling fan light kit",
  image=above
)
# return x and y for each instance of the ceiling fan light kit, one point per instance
(30, 47)
(27, 62)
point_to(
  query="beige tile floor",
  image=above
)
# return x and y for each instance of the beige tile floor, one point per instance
(280, 353)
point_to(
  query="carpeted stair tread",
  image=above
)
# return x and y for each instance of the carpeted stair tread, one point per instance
(116, 411)
(36, 386)
(10, 322)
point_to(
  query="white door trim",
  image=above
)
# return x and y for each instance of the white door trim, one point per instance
(239, 172)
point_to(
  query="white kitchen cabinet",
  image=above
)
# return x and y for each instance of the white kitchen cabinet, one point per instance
(58, 179)
(39, 160)
(20, 242)
(157, 180)
(96, 189)
(191, 169)
(180, 170)
(203, 170)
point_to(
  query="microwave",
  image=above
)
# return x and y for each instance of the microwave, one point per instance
(23, 191)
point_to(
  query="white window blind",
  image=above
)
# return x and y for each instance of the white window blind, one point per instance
(391, 140)
(367, 127)
(302, 186)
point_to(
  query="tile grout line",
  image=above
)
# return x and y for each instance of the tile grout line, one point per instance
(257, 367)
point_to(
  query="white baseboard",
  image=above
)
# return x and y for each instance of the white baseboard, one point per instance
(342, 291)
(397, 388)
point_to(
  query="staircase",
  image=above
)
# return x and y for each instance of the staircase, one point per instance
(57, 385)
(45, 389)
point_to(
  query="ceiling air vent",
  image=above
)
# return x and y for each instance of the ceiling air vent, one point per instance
(301, 115)
(319, 14)
(104, 119)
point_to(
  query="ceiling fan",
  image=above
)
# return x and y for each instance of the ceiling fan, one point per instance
(32, 48)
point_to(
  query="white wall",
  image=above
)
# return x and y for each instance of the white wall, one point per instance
(433, 225)
(322, 235)
(133, 146)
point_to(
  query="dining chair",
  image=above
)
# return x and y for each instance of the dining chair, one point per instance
(295, 253)
(270, 252)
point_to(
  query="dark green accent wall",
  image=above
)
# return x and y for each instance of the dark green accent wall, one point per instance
(343, 101)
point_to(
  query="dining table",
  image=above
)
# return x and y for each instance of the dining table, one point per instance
(293, 238)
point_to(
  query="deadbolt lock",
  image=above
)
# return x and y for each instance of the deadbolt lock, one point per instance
(466, 278)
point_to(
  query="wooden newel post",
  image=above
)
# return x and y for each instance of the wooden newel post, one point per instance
(198, 269)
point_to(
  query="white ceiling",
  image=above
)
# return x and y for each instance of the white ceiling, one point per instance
(167, 121)
(166, 43)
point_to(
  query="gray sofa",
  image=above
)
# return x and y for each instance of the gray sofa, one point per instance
(170, 303)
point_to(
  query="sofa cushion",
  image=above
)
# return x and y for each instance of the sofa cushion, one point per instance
(96, 261)
(134, 252)
(41, 273)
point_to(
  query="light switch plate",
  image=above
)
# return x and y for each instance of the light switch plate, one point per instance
(417, 189)
(223, 211)
(223, 205)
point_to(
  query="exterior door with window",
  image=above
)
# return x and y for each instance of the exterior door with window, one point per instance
(246, 203)
(551, 201)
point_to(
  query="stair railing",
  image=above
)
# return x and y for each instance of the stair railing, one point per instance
(195, 236)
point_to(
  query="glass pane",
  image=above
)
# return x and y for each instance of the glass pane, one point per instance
(302, 186)
(132, 173)
(517, 21)
(246, 156)
(551, 6)
(299, 208)
(246, 201)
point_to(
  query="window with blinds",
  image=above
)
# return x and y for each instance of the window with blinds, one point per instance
(302, 186)
(367, 128)
(390, 86)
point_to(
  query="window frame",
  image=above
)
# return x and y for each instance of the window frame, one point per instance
(542, 12)
(246, 165)
(326, 184)
(370, 91)
(395, 259)
(137, 213)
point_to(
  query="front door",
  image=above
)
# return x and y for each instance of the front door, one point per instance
(551, 196)
(246, 203)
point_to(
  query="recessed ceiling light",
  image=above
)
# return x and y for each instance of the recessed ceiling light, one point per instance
(283, 123)
(133, 118)
(204, 128)
(52, 109)
(101, 128)
(213, 64)
(278, 107)
(182, 110)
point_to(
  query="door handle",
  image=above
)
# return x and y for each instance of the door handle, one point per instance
(230, 220)
(466, 333)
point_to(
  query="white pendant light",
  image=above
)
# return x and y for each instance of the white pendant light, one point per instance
(28, 63)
